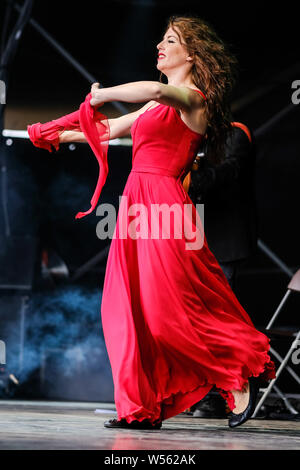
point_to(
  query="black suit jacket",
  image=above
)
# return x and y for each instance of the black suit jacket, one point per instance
(227, 192)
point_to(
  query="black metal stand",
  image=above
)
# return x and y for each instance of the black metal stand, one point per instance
(69, 58)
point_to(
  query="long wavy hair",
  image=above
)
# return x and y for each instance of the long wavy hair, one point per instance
(214, 72)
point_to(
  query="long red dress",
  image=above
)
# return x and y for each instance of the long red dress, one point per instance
(172, 324)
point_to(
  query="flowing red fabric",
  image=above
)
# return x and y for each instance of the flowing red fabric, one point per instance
(172, 325)
(95, 127)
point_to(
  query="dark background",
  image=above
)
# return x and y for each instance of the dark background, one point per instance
(116, 42)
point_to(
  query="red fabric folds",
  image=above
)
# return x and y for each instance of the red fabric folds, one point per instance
(95, 127)
(173, 327)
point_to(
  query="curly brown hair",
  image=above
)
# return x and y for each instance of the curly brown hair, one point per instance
(214, 72)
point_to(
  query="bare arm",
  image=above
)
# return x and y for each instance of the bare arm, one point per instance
(188, 102)
(183, 98)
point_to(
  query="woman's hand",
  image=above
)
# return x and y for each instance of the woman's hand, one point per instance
(95, 101)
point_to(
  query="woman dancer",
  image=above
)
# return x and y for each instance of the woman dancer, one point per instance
(172, 325)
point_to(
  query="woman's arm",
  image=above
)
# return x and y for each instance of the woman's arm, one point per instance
(71, 136)
(119, 127)
(188, 101)
(183, 98)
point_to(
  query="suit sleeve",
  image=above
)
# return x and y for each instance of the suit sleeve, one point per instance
(237, 151)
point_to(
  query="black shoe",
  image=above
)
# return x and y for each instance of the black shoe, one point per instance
(145, 424)
(240, 418)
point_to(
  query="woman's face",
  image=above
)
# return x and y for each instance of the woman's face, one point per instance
(171, 53)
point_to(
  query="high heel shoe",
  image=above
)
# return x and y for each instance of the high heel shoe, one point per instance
(240, 418)
(122, 423)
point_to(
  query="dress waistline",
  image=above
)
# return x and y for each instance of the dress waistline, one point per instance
(157, 171)
(163, 172)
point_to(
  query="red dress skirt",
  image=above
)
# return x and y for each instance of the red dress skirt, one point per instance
(172, 324)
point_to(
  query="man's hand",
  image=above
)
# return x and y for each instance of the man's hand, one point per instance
(95, 101)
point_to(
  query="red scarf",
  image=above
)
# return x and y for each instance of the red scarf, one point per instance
(95, 127)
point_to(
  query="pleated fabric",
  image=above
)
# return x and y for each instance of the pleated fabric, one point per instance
(172, 324)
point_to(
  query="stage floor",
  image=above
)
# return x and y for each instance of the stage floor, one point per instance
(34, 425)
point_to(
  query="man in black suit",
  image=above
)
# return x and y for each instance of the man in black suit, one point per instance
(230, 224)
(227, 192)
